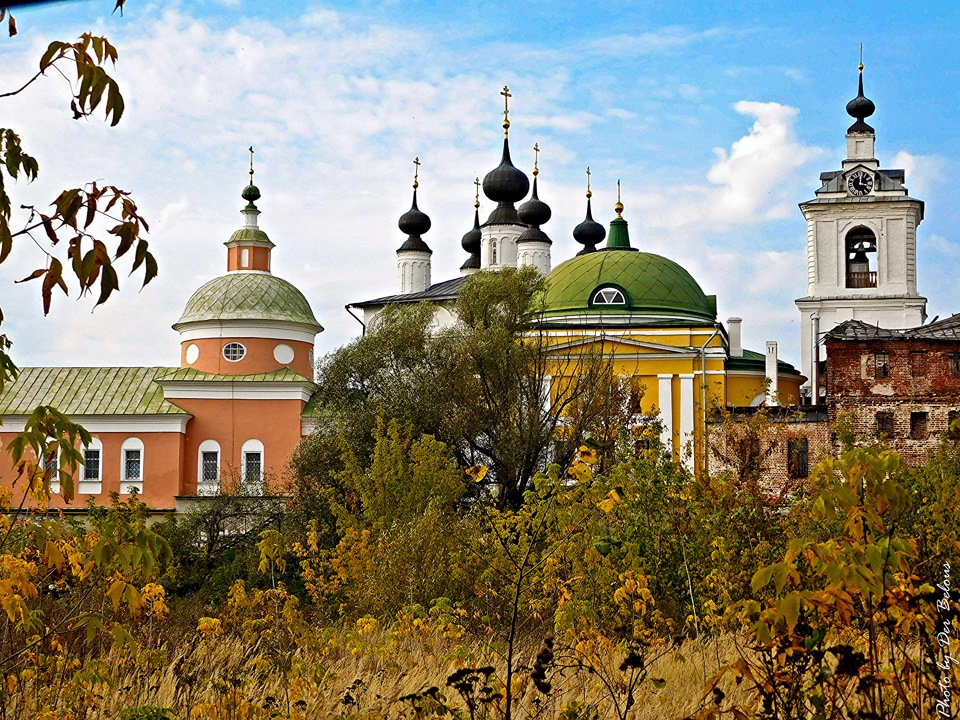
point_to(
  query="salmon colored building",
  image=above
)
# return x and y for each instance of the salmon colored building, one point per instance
(231, 414)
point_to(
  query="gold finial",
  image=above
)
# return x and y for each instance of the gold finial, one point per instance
(861, 58)
(476, 200)
(536, 159)
(619, 206)
(589, 193)
(506, 110)
(416, 173)
(251, 164)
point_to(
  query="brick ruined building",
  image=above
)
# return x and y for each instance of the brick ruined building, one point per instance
(902, 386)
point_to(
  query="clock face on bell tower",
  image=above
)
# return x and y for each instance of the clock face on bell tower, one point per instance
(860, 183)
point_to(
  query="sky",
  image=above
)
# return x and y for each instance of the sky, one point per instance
(717, 118)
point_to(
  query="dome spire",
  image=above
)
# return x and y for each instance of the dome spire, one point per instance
(534, 212)
(860, 107)
(505, 184)
(413, 222)
(589, 233)
(506, 110)
(619, 238)
(472, 239)
(251, 193)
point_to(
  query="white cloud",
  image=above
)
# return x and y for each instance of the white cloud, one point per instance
(756, 179)
(923, 172)
(660, 41)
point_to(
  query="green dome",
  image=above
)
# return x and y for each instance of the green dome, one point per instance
(650, 285)
(248, 296)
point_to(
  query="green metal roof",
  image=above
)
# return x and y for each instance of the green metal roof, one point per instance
(653, 285)
(89, 391)
(250, 235)
(755, 361)
(194, 375)
(248, 296)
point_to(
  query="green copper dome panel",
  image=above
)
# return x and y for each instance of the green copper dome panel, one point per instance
(653, 285)
(248, 296)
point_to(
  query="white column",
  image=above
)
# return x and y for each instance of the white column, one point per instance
(772, 374)
(734, 335)
(686, 417)
(665, 403)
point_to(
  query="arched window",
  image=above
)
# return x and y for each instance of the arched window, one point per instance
(861, 246)
(91, 474)
(251, 457)
(608, 296)
(208, 468)
(493, 252)
(131, 466)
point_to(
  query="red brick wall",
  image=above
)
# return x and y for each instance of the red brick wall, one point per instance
(919, 381)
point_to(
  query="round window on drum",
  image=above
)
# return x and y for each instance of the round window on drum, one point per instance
(234, 351)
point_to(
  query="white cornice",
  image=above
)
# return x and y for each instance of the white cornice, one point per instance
(269, 329)
(236, 390)
(114, 423)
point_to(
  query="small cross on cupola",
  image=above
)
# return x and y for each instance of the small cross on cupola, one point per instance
(248, 249)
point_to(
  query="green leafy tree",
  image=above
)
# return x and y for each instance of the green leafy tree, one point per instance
(481, 386)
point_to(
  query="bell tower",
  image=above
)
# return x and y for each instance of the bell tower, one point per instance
(861, 247)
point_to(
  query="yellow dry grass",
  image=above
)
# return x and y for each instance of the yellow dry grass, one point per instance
(227, 679)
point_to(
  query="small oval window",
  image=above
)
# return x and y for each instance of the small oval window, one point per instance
(234, 351)
(609, 296)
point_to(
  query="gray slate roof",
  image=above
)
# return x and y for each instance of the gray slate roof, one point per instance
(446, 290)
(947, 329)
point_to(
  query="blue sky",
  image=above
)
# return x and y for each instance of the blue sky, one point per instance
(716, 117)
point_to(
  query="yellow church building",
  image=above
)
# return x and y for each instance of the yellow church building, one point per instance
(643, 312)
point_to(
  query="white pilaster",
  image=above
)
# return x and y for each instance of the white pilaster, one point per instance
(665, 404)
(686, 418)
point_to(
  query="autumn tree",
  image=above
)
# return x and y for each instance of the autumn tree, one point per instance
(481, 386)
(82, 235)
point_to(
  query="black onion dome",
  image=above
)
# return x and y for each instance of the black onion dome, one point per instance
(589, 233)
(505, 183)
(860, 107)
(534, 211)
(414, 223)
(471, 239)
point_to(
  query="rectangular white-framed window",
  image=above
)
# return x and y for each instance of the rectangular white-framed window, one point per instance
(91, 474)
(131, 466)
(253, 472)
(52, 464)
(209, 473)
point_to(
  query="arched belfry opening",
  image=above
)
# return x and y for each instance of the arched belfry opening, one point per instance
(861, 245)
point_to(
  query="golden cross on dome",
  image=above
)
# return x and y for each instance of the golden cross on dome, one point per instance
(251, 164)
(589, 193)
(861, 58)
(506, 109)
(476, 201)
(536, 159)
(619, 206)
(416, 173)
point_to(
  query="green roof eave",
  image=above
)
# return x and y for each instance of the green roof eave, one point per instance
(89, 391)
(194, 375)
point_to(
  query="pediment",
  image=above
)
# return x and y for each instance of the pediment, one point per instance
(624, 345)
